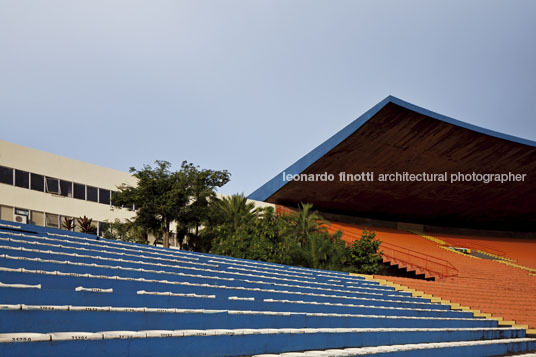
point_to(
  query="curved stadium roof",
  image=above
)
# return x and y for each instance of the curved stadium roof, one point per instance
(397, 136)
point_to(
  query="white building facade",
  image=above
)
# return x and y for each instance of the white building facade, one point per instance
(41, 188)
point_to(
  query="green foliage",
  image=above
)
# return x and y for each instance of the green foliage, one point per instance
(364, 254)
(327, 252)
(162, 197)
(304, 222)
(300, 238)
(231, 225)
(200, 185)
(128, 231)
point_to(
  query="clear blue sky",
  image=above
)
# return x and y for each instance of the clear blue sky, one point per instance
(251, 86)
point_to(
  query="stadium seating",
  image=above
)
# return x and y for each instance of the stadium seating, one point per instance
(504, 287)
(65, 293)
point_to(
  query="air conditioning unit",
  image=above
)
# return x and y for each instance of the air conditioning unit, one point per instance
(20, 218)
(21, 215)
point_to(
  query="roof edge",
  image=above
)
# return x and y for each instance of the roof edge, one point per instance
(460, 123)
(277, 182)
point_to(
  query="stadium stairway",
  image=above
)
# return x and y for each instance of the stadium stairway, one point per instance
(501, 288)
(64, 293)
(402, 257)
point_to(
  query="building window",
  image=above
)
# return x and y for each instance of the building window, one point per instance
(52, 185)
(66, 188)
(22, 215)
(79, 191)
(37, 218)
(37, 182)
(52, 220)
(104, 196)
(6, 175)
(6, 213)
(56, 186)
(92, 194)
(22, 179)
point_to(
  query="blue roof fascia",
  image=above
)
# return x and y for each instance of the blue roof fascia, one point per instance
(276, 183)
(459, 123)
(299, 166)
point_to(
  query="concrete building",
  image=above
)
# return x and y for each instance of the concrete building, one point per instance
(42, 188)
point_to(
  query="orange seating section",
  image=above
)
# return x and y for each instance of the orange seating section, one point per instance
(417, 260)
(486, 285)
(523, 251)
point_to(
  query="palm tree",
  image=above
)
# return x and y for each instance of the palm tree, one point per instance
(304, 222)
(235, 211)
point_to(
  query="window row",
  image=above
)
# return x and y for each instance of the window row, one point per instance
(41, 183)
(45, 219)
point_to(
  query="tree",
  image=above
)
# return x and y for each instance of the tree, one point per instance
(236, 228)
(128, 231)
(235, 211)
(299, 238)
(202, 184)
(231, 225)
(268, 240)
(364, 253)
(162, 197)
(304, 222)
(325, 251)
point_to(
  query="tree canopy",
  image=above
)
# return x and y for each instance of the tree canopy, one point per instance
(162, 196)
(300, 238)
(232, 225)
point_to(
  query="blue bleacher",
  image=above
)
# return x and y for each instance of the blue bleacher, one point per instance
(65, 293)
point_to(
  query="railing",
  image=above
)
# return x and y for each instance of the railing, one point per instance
(441, 267)
(411, 258)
